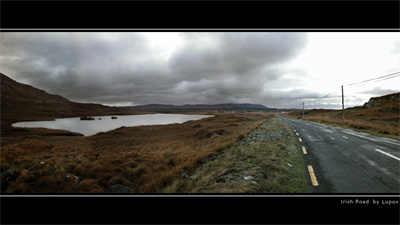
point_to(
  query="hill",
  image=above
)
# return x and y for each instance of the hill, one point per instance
(21, 102)
(229, 106)
(380, 114)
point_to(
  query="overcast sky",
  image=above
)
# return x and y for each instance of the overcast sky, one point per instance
(276, 69)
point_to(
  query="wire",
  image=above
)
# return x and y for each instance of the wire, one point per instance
(389, 76)
(381, 78)
(324, 97)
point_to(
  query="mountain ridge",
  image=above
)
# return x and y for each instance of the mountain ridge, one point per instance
(226, 106)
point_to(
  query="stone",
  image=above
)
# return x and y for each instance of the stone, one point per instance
(10, 174)
(185, 173)
(248, 178)
(214, 135)
(68, 175)
(119, 188)
(370, 103)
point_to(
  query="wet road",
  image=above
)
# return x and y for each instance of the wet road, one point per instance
(347, 161)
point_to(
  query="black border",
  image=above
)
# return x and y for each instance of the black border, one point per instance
(188, 15)
(198, 16)
(197, 210)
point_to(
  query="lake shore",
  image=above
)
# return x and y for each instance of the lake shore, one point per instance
(144, 158)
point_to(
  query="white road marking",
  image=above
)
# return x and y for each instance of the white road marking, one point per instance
(390, 155)
(381, 140)
(333, 138)
(391, 140)
(344, 137)
(328, 131)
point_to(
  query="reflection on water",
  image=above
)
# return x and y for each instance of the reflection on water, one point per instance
(90, 127)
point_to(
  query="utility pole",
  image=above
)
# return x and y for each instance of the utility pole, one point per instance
(343, 103)
(303, 110)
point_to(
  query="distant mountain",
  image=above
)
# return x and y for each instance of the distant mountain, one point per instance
(229, 106)
(21, 102)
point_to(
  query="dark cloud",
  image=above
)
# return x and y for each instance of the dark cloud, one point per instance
(210, 54)
(377, 91)
(112, 68)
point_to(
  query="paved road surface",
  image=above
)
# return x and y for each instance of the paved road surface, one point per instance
(347, 161)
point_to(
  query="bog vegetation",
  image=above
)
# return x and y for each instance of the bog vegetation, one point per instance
(144, 159)
(380, 115)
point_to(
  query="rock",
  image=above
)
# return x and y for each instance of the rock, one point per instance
(248, 178)
(370, 103)
(214, 135)
(208, 159)
(68, 175)
(10, 174)
(119, 188)
(185, 173)
(87, 118)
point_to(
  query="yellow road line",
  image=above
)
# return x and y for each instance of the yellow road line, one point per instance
(304, 150)
(300, 140)
(312, 175)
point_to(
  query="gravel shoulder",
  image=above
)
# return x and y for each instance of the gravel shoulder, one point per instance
(268, 160)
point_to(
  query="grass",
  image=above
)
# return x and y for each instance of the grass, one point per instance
(382, 118)
(274, 166)
(145, 158)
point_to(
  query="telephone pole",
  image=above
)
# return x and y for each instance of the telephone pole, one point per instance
(343, 103)
(303, 110)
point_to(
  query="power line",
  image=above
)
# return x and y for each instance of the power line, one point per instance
(325, 96)
(389, 76)
(377, 79)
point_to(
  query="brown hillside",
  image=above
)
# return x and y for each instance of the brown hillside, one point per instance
(379, 114)
(21, 102)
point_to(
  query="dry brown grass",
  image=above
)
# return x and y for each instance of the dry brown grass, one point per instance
(143, 158)
(382, 118)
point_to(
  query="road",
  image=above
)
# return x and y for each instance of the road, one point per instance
(347, 161)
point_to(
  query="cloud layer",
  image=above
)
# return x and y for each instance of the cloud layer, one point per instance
(129, 69)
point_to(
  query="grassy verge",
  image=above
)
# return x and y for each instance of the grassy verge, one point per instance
(268, 160)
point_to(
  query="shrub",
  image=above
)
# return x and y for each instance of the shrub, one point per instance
(88, 186)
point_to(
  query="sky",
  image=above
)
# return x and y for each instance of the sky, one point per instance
(275, 69)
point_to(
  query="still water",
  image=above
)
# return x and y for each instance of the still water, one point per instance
(105, 123)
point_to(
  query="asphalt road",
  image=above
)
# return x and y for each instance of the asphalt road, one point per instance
(347, 161)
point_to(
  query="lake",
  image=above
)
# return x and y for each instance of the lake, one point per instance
(105, 123)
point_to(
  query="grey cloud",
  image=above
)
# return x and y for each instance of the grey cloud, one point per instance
(122, 67)
(233, 66)
(234, 53)
(377, 91)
